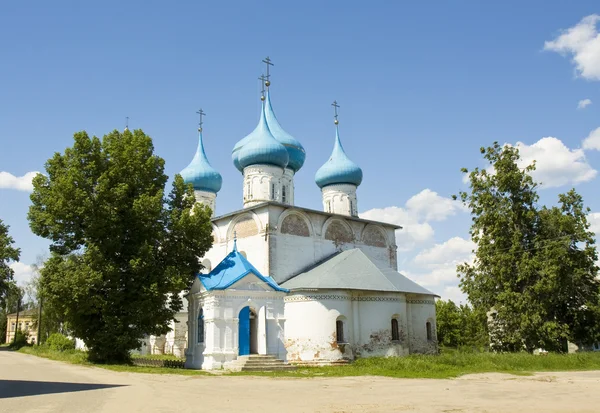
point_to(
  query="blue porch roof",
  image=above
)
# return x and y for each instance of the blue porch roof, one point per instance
(233, 268)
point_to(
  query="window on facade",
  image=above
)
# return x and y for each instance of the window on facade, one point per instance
(395, 331)
(248, 194)
(339, 331)
(283, 194)
(351, 208)
(428, 327)
(272, 191)
(328, 206)
(201, 326)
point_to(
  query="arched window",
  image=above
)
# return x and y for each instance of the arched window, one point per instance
(201, 326)
(395, 331)
(248, 193)
(283, 194)
(339, 331)
(328, 206)
(272, 191)
(351, 208)
(428, 327)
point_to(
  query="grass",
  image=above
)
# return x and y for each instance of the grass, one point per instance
(449, 364)
(80, 358)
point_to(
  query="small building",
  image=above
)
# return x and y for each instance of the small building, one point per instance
(27, 324)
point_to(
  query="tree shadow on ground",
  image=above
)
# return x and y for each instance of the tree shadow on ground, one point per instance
(21, 388)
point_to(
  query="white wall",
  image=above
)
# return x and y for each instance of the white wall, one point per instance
(221, 312)
(340, 199)
(310, 331)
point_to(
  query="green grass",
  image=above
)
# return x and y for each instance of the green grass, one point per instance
(449, 364)
(80, 357)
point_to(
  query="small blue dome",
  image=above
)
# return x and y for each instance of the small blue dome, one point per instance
(339, 169)
(294, 148)
(261, 147)
(200, 173)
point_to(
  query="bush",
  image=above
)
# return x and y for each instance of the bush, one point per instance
(60, 342)
(19, 341)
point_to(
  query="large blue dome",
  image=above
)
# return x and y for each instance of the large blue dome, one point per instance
(200, 173)
(261, 147)
(339, 169)
(294, 148)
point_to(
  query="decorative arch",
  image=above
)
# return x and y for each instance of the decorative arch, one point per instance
(245, 225)
(341, 333)
(295, 223)
(375, 236)
(337, 230)
(207, 265)
(216, 234)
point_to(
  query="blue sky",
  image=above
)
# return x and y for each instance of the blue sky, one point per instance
(421, 88)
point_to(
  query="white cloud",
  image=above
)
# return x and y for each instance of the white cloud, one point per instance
(428, 205)
(582, 104)
(425, 206)
(593, 140)
(556, 165)
(435, 268)
(20, 183)
(594, 220)
(23, 273)
(582, 42)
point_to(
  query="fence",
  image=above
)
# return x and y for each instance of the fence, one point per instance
(146, 362)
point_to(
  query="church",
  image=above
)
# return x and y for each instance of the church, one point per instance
(310, 287)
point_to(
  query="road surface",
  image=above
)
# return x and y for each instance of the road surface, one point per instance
(31, 384)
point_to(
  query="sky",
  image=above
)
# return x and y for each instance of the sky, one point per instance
(421, 87)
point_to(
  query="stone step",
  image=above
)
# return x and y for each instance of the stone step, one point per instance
(269, 368)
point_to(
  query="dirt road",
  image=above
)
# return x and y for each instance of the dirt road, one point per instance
(31, 384)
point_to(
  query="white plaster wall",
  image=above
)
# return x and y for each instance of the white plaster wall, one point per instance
(340, 199)
(310, 332)
(421, 309)
(221, 311)
(310, 327)
(263, 183)
(289, 254)
(206, 198)
(373, 313)
(288, 180)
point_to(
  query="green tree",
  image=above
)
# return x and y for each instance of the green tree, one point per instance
(535, 270)
(12, 295)
(449, 323)
(121, 251)
(8, 254)
(459, 326)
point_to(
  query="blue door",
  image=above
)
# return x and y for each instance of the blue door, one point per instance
(244, 333)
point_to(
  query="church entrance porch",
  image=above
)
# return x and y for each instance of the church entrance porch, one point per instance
(248, 332)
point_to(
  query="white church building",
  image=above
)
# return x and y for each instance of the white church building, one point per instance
(303, 285)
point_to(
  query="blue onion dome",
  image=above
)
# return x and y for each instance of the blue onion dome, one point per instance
(261, 147)
(200, 173)
(236, 151)
(294, 148)
(339, 169)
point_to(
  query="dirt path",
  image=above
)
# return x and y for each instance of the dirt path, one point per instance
(31, 384)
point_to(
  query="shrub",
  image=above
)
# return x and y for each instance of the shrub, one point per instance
(19, 341)
(60, 342)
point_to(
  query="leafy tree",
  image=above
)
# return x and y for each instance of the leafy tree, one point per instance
(121, 251)
(459, 326)
(8, 253)
(12, 296)
(449, 323)
(535, 270)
